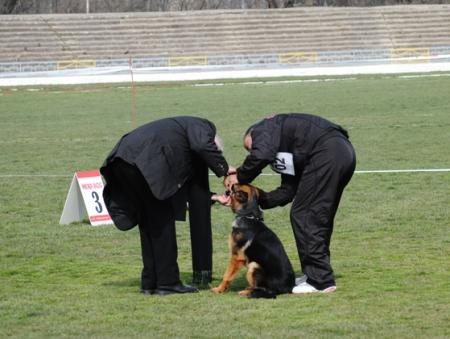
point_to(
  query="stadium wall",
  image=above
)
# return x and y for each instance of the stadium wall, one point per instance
(296, 37)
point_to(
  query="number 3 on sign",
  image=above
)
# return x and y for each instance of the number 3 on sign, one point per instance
(98, 207)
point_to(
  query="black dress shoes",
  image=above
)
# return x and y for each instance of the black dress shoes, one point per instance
(172, 289)
(147, 292)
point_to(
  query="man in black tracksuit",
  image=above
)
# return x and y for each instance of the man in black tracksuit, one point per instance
(316, 161)
(151, 175)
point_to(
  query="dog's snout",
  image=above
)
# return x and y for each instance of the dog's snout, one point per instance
(233, 188)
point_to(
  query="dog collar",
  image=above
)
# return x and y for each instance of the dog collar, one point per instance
(251, 217)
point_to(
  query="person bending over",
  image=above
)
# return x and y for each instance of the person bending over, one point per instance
(316, 161)
(151, 175)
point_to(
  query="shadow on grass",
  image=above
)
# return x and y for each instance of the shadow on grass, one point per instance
(130, 282)
(186, 277)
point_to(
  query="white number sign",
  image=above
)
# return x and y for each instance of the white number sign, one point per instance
(85, 198)
(284, 163)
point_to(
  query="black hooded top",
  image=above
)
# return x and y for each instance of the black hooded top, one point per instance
(294, 133)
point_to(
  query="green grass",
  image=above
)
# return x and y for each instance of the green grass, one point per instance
(390, 248)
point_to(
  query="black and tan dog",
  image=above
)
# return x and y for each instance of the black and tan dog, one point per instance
(253, 244)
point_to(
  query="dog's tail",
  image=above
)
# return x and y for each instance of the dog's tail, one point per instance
(261, 292)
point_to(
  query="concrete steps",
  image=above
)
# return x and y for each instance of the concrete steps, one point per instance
(113, 35)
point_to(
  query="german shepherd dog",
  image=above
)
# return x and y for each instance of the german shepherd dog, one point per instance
(253, 244)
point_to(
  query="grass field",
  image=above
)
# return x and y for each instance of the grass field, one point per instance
(390, 248)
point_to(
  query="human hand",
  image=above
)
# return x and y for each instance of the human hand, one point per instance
(231, 170)
(229, 181)
(222, 199)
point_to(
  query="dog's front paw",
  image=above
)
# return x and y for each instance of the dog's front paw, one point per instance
(217, 290)
(245, 293)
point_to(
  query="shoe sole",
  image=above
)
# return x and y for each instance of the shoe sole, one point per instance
(330, 289)
(167, 292)
(147, 292)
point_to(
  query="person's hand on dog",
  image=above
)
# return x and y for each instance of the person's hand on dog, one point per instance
(231, 170)
(222, 199)
(230, 180)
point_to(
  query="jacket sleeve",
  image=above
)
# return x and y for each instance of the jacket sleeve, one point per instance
(263, 152)
(282, 195)
(250, 169)
(201, 140)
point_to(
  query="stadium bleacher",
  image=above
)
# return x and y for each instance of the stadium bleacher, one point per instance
(286, 36)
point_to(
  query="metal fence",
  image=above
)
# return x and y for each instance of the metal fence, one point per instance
(366, 56)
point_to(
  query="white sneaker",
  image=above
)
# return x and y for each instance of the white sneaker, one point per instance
(304, 287)
(301, 279)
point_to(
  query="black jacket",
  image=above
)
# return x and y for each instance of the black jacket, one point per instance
(163, 152)
(295, 133)
(166, 152)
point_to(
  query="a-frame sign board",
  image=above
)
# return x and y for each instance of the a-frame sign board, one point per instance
(85, 199)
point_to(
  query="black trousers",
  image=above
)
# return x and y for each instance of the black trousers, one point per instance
(156, 220)
(199, 197)
(312, 213)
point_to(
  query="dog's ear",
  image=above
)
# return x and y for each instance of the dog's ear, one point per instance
(241, 196)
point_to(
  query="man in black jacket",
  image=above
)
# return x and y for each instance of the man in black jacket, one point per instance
(151, 175)
(316, 161)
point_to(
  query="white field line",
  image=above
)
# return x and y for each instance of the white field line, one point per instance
(406, 170)
(193, 74)
(256, 83)
(35, 175)
(422, 170)
(282, 82)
